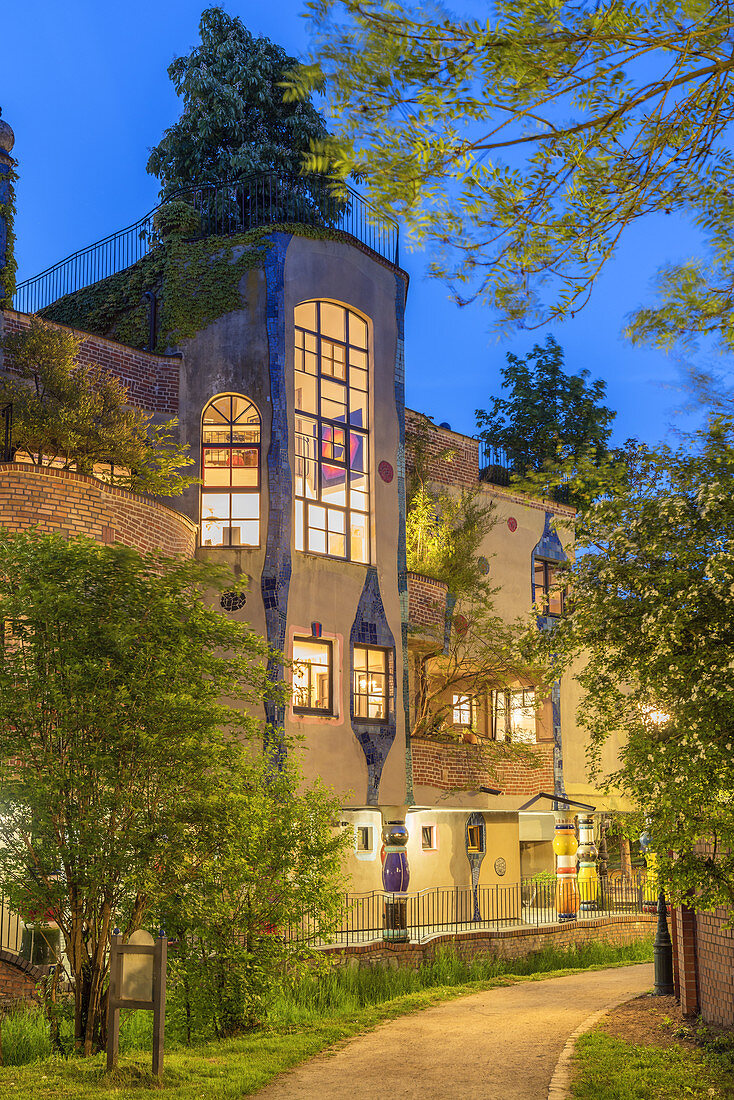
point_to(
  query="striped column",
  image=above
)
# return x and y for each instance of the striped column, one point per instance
(565, 845)
(587, 853)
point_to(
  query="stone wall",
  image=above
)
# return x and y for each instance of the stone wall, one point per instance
(426, 602)
(152, 380)
(18, 979)
(453, 766)
(511, 943)
(62, 500)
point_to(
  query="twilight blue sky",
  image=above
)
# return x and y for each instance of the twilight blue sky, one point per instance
(85, 88)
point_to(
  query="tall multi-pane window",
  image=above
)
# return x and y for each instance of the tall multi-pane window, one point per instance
(230, 473)
(549, 594)
(370, 688)
(332, 410)
(513, 714)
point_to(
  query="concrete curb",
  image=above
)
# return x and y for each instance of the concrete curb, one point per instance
(561, 1079)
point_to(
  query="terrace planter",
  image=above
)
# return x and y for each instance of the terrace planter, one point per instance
(426, 608)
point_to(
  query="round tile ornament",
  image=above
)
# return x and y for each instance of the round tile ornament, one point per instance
(500, 866)
(232, 601)
(483, 565)
(512, 524)
(461, 625)
(386, 472)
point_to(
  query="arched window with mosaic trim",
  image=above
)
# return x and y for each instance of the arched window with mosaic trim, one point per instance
(332, 495)
(230, 472)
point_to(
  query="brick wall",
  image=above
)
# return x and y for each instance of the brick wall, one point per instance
(61, 500)
(152, 380)
(426, 601)
(18, 979)
(511, 943)
(450, 767)
(460, 469)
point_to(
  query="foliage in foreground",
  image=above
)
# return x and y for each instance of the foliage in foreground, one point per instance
(525, 143)
(77, 416)
(652, 612)
(129, 788)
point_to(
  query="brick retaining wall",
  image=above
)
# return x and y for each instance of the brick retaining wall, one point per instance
(62, 500)
(452, 766)
(510, 943)
(426, 602)
(18, 979)
(152, 380)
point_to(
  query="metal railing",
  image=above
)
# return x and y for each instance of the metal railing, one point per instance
(222, 209)
(371, 916)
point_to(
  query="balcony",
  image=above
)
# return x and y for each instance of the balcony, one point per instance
(221, 209)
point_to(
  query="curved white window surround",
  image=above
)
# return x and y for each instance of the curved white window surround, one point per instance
(230, 472)
(332, 431)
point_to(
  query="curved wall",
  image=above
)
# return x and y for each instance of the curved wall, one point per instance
(62, 500)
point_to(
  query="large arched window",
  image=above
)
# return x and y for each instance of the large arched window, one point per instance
(230, 472)
(332, 424)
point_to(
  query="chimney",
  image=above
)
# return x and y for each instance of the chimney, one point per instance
(7, 209)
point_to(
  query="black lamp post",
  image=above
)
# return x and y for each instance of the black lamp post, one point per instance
(662, 948)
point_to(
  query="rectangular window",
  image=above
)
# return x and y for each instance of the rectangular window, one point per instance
(364, 838)
(513, 715)
(428, 837)
(474, 837)
(464, 711)
(312, 677)
(549, 593)
(370, 688)
(331, 426)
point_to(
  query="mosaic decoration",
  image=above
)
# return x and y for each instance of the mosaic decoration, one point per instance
(550, 549)
(276, 574)
(402, 565)
(371, 627)
(461, 625)
(450, 605)
(395, 869)
(386, 472)
(232, 601)
(483, 566)
(512, 524)
(476, 821)
(500, 866)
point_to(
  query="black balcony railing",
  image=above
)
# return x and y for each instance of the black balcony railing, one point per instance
(366, 917)
(220, 209)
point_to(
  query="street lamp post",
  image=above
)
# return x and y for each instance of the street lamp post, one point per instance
(662, 947)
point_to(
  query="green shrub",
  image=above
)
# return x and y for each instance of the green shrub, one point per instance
(24, 1034)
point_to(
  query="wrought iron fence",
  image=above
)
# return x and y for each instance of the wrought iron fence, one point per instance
(416, 917)
(219, 209)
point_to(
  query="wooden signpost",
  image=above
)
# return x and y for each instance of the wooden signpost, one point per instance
(137, 980)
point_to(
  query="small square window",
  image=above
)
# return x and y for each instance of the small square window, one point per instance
(428, 837)
(475, 841)
(364, 838)
(312, 677)
(465, 711)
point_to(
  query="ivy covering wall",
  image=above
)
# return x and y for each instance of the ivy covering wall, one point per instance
(195, 281)
(7, 213)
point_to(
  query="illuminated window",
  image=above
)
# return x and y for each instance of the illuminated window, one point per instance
(548, 593)
(230, 473)
(332, 459)
(475, 839)
(364, 838)
(513, 714)
(370, 692)
(465, 711)
(428, 837)
(312, 692)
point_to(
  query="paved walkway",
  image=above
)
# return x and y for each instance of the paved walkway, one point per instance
(499, 1045)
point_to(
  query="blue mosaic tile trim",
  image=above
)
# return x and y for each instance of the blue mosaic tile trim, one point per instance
(476, 858)
(371, 627)
(450, 605)
(402, 511)
(276, 574)
(550, 549)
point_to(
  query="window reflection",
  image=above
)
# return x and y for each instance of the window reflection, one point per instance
(230, 472)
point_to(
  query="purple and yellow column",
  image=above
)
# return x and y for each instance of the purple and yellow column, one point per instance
(564, 846)
(395, 880)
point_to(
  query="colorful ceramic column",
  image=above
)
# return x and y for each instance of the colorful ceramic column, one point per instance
(565, 845)
(395, 879)
(7, 140)
(586, 854)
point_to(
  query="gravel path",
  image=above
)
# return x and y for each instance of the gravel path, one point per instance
(502, 1044)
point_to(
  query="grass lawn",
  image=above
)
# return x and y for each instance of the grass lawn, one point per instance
(240, 1066)
(646, 1051)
